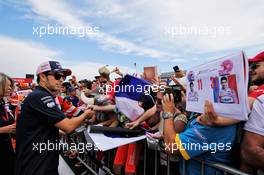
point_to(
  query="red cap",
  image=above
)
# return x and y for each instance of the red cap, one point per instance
(258, 57)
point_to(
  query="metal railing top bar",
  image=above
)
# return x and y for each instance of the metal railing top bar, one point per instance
(105, 166)
(219, 166)
(222, 167)
(87, 166)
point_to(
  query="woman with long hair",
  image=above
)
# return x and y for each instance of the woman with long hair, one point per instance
(7, 126)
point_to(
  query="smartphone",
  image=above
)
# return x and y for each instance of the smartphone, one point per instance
(176, 89)
(176, 69)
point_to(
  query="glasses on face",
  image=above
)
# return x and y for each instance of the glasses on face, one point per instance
(254, 66)
(103, 82)
(56, 75)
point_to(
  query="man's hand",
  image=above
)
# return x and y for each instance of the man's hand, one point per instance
(9, 129)
(93, 107)
(88, 113)
(173, 77)
(117, 71)
(133, 124)
(155, 81)
(168, 103)
(90, 106)
(209, 117)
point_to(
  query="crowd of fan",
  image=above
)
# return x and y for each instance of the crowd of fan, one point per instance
(183, 128)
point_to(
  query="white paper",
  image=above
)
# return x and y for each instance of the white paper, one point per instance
(104, 143)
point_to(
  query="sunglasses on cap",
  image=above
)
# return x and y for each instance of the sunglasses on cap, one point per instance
(57, 75)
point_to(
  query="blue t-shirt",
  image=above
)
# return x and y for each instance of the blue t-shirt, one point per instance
(207, 143)
(73, 99)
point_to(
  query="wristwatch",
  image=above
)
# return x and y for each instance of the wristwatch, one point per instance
(166, 115)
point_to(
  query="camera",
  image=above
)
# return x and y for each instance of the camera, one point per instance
(176, 91)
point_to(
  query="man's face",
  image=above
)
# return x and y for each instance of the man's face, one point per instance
(73, 93)
(102, 81)
(53, 81)
(73, 78)
(62, 89)
(257, 73)
(224, 84)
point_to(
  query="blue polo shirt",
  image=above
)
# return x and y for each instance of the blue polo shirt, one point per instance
(207, 143)
(73, 99)
(35, 127)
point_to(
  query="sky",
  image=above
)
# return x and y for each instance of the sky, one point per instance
(85, 35)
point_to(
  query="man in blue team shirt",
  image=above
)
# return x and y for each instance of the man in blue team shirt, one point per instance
(196, 141)
(72, 96)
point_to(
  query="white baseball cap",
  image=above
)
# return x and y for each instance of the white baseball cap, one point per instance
(53, 66)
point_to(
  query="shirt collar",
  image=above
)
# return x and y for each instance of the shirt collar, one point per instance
(44, 89)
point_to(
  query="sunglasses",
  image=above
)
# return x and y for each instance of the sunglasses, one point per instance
(103, 82)
(56, 75)
(254, 66)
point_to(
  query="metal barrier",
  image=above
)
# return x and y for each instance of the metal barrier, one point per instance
(88, 159)
(224, 168)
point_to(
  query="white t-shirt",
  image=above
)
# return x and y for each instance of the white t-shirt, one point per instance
(182, 81)
(255, 122)
(193, 96)
(226, 96)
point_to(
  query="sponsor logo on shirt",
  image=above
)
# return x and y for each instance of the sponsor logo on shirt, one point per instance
(49, 101)
(45, 98)
(51, 104)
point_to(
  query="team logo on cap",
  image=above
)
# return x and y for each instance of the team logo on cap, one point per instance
(58, 65)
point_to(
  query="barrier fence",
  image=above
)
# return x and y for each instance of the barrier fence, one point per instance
(104, 167)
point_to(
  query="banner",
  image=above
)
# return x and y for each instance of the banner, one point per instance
(22, 80)
(224, 83)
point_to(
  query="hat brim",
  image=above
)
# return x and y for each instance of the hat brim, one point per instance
(67, 72)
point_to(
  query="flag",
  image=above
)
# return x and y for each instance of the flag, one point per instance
(128, 93)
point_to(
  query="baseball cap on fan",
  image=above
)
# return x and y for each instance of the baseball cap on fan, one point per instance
(257, 58)
(53, 66)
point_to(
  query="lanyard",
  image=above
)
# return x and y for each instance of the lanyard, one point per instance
(7, 112)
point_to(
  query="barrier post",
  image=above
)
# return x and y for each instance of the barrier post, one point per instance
(156, 162)
(168, 164)
(145, 157)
